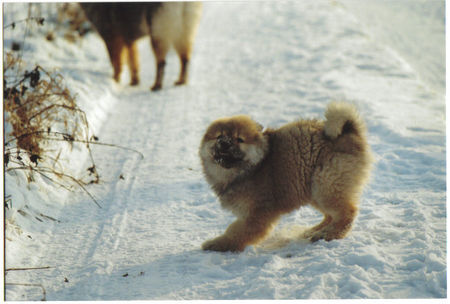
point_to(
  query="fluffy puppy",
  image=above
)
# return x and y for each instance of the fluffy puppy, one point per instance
(260, 176)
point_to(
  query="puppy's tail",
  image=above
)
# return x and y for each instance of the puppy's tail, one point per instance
(342, 118)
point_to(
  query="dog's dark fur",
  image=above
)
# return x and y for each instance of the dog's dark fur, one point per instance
(121, 24)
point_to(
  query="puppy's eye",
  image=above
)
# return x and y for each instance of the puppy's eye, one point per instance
(240, 140)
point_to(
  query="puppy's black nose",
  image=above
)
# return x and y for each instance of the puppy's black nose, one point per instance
(223, 143)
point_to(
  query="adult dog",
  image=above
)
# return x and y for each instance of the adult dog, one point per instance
(121, 24)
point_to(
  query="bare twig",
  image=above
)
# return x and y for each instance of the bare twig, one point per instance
(27, 268)
(53, 106)
(39, 20)
(54, 181)
(40, 170)
(101, 144)
(69, 137)
(44, 293)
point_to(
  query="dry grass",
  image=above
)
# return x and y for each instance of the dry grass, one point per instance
(42, 120)
(41, 110)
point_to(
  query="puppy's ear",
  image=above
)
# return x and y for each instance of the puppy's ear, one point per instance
(259, 126)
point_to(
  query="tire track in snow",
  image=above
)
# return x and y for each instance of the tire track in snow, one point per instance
(141, 121)
(120, 129)
(88, 237)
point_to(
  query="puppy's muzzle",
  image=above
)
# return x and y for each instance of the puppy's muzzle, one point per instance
(226, 152)
(223, 144)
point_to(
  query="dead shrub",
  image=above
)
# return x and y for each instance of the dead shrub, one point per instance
(40, 109)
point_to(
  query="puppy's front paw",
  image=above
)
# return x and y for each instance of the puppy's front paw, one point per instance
(316, 237)
(221, 244)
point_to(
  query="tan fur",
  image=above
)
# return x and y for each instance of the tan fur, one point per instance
(321, 163)
(121, 52)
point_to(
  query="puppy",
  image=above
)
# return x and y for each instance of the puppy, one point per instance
(260, 176)
(121, 24)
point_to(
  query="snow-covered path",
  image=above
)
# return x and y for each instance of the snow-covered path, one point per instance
(277, 61)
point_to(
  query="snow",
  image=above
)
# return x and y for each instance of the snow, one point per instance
(276, 61)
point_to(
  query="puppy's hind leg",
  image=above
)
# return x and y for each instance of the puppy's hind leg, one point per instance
(311, 231)
(338, 223)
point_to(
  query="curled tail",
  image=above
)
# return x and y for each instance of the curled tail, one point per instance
(342, 118)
